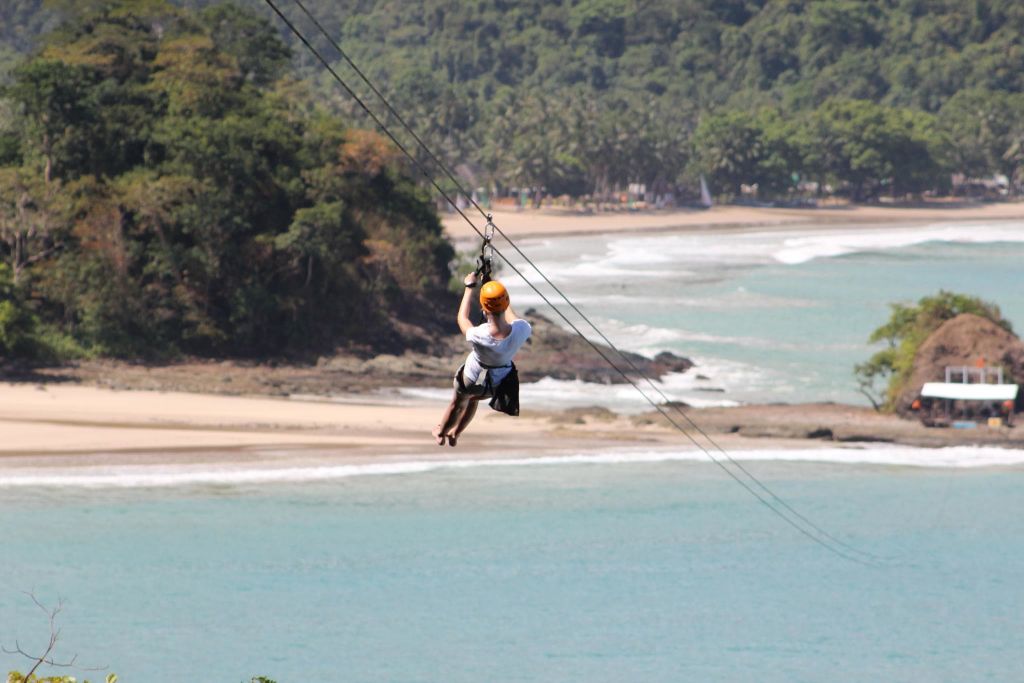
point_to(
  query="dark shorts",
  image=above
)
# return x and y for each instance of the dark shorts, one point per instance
(484, 390)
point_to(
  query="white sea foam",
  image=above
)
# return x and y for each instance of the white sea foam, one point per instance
(651, 340)
(551, 394)
(190, 475)
(691, 254)
(800, 249)
(646, 339)
(713, 382)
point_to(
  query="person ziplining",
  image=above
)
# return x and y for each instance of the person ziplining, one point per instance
(488, 371)
(495, 343)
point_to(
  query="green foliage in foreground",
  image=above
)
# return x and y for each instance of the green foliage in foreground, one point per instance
(908, 326)
(15, 677)
(164, 190)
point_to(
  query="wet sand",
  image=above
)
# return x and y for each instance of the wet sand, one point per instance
(61, 429)
(86, 431)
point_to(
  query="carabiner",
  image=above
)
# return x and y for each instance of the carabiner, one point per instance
(486, 258)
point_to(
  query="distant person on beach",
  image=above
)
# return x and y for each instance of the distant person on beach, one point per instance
(488, 371)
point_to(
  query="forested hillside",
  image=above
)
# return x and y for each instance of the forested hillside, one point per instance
(163, 189)
(584, 96)
(182, 176)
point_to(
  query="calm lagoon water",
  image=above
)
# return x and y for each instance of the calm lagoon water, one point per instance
(616, 570)
(652, 572)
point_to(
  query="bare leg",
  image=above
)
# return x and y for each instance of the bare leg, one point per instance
(452, 415)
(438, 435)
(467, 416)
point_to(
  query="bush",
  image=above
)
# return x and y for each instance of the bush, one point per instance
(22, 336)
(17, 324)
(16, 677)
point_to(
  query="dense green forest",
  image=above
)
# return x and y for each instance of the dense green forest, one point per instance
(185, 176)
(862, 97)
(163, 189)
(866, 97)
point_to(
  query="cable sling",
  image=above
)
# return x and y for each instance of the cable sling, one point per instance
(766, 496)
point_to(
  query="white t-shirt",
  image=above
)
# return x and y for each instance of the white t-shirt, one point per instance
(493, 352)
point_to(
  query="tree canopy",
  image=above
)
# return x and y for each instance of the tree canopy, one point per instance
(181, 176)
(166, 191)
(585, 96)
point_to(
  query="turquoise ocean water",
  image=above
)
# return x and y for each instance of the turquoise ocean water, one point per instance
(652, 572)
(768, 316)
(628, 567)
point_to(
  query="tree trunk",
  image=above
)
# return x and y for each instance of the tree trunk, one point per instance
(47, 152)
(18, 256)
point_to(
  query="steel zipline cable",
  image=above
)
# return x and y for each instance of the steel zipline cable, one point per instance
(762, 492)
(462, 190)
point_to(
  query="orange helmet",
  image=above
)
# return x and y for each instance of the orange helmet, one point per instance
(493, 297)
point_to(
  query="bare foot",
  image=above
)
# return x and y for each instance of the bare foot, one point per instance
(452, 440)
(436, 432)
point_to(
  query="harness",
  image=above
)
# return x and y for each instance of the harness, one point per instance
(504, 397)
(483, 383)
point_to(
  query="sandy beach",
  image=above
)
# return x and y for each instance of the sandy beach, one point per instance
(81, 431)
(60, 419)
(64, 425)
(551, 222)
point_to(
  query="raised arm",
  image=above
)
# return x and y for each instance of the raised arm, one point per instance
(510, 315)
(465, 324)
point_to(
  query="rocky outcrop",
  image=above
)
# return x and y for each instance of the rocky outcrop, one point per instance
(554, 352)
(962, 341)
(551, 352)
(834, 423)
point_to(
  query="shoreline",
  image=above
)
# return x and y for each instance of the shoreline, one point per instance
(556, 222)
(94, 437)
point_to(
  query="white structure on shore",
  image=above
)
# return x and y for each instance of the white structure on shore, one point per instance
(980, 392)
(705, 194)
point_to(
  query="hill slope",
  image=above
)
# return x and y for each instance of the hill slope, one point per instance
(584, 96)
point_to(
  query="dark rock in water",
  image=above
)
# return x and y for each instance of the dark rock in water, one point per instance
(670, 362)
(583, 415)
(554, 352)
(676, 404)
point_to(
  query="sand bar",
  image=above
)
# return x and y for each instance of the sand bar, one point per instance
(550, 222)
(38, 419)
(76, 429)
